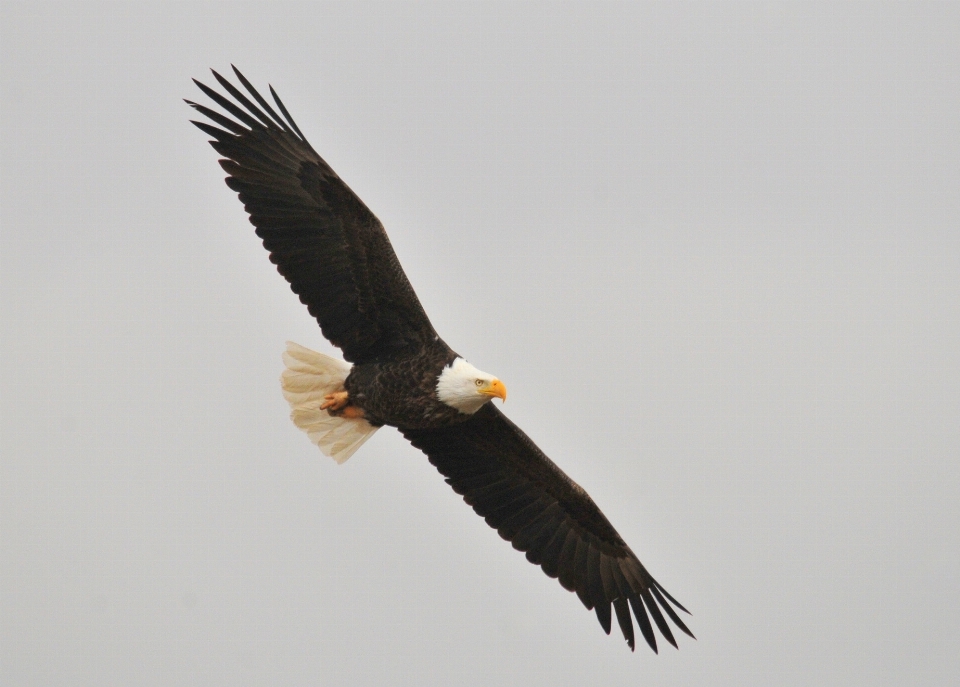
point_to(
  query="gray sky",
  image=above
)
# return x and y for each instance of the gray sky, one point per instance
(712, 250)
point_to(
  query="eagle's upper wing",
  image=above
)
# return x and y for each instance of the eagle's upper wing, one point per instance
(323, 239)
(535, 506)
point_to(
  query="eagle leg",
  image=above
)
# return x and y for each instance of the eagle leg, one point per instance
(338, 405)
(351, 413)
(335, 401)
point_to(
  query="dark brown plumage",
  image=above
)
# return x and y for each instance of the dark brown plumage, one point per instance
(338, 259)
(531, 503)
(322, 238)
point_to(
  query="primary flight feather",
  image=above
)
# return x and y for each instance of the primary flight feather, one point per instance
(339, 261)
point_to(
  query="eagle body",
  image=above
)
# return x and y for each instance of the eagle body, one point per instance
(397, 371)
(402, 392)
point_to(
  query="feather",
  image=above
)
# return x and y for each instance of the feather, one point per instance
(550, 560)
(594, 582)
(276, 99)
(602, 610)
(566, 573)
(623, 618)
(643, 622)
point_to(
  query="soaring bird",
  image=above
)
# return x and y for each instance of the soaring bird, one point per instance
(398, 372)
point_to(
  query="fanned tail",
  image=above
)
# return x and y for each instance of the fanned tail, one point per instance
(309, 377)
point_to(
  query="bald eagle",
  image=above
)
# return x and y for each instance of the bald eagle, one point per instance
(337, 258)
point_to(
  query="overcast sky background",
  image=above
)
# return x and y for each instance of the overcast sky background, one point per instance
(713, 251)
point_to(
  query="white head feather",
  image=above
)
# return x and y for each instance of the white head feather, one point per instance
(462, 386)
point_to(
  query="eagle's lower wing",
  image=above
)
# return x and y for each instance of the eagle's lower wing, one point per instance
(323, 239)
(532, 504)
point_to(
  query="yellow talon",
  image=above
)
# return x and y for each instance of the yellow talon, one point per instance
(335, 401)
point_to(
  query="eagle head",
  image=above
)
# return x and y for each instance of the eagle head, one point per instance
(466, 388)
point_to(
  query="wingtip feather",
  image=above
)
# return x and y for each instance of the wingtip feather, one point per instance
(286, 114)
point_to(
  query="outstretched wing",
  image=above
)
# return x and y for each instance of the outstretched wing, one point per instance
(532, 504)
(322, 238)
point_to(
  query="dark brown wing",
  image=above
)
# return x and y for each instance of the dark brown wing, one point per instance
(322, 238)
(532, 504)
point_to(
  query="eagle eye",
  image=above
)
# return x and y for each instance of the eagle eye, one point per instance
(479, 382)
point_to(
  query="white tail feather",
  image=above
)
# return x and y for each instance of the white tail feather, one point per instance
(308, 378)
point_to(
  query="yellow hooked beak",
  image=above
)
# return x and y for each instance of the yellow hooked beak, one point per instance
(496, 389)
